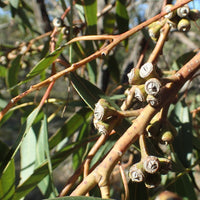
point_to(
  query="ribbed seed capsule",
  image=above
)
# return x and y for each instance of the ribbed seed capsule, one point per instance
(184, 25)
(140, 93)
(57, 22)
(134, 77)
(147, 71)
(151, 164)
(101, 127)
(154, 29)
(136, 173)
(152, 86)
(104, 110)
(183, 11)
(154, 32)
(153, 101)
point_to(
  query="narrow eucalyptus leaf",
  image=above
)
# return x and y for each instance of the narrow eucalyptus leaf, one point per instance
(7, 181)
(28, 155)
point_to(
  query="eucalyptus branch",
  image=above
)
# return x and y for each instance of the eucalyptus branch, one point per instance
(100, 175)
(104, 51)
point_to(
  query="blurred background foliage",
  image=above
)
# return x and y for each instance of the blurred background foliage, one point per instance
(41, 148)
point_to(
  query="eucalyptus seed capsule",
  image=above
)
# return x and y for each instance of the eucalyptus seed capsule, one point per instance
(170, 14)
(151, 164)
(136, 173)
(148, 71)
(102, 127)
(57, 22)
(167, 137)
(140, 93)
(184, 25)
(194, 14)
(134, 77)
(65, 30)
(152, 100)
(103, 110)
(152, 86)
(183, 11)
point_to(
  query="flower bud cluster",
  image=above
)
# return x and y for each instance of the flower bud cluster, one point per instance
(147, 83)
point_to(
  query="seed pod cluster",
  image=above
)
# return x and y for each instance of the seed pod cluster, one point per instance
(105, 116)
(178, 19)
(146, 82)
(149, 170)
(64, 29)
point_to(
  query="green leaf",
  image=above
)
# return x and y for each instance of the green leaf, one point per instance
(181, 119)
(109, 23)
(4, 149)
(90, 7)
(28, 155)
(185, 188)
(42, 171)
(3, 71)
(26, 6)
(87, 91)
(70, 126)
(3, 103)
(43, 64)
(25, 129)
(14, 3)
(6, 117)
(102, 151)
(12, 74)
(46, 186)
(122, 18)
(138, 191)
(183, 59)
(114, 68)
(92, 72)
(7, 181)
(24, 18)
(78, 156)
